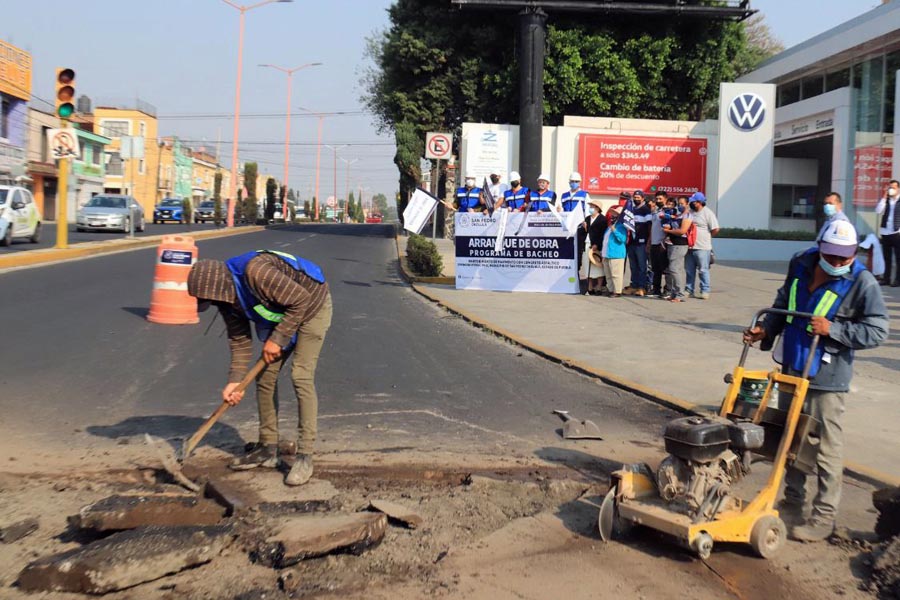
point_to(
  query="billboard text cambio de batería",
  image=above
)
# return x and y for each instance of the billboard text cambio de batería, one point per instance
(610, 164)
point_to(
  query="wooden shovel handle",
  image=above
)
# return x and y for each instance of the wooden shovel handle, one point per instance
(202, 431)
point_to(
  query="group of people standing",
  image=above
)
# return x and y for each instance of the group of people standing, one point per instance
(668, 253)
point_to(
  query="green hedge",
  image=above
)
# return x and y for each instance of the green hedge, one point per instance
(423, 256)
(766, 234)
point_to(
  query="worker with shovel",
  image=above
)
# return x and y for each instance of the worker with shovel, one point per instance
(287, 299)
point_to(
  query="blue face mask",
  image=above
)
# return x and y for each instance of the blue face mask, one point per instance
(833, 271)
(573, 185)
(830, 210)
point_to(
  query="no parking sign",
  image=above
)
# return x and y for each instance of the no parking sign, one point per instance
(438, 146)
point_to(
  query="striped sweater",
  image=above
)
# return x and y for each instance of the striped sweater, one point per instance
(280, 288)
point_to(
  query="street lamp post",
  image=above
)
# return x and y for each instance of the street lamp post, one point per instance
(287, 130)
(237, 101)
(347, 182)
(321, 118)
(335, 149)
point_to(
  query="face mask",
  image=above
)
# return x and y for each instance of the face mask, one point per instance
(495, 179)
(470, 183)
(573, 185)
(892, 192)
(514, 184)
(833, 271)
(592, 211)
(830, 210)
(638, 201)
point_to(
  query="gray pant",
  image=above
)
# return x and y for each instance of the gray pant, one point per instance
(675, 273)
(310, 338)
(827, 408)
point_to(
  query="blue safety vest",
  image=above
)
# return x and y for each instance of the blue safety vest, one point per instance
(467, 198)
(542, 201)
(824, 301)
(266, 320)
(570, 200)
(516, 200)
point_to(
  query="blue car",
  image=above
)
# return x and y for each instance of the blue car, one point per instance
(169, 209)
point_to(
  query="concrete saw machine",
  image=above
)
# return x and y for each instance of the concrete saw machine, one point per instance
(691, 494)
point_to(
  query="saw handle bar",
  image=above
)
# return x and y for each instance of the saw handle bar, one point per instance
(787, 313)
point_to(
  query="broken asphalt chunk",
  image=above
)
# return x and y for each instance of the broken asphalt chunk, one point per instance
(16, 531)
(116, 513)
(397, 512)
(126, 559)
(298, 538)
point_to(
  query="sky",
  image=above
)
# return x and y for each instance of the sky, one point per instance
(181, 56)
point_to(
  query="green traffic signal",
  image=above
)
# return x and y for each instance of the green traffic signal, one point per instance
(65, 110)
(65, 92)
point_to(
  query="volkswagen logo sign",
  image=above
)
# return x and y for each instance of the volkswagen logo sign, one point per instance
(747, 111)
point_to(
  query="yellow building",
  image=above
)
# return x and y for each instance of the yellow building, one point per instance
(135, 176)
(203, 177)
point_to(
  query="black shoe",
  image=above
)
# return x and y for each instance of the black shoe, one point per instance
(261, 456)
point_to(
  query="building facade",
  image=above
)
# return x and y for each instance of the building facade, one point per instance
(835, 119)
(88, 173)
(41, 166)
(203, 176)
(15, 92)
(136, 176)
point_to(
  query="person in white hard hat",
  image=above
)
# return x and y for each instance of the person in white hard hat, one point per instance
(571, 200)
(544, 196)
(468, 197)
(516, 198)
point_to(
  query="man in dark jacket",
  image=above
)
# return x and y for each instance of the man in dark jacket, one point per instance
(288, 301)
(827, 281)
(636, 246)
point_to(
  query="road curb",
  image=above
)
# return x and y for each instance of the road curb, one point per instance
(411, 278)
(46, 256)
(856, 470)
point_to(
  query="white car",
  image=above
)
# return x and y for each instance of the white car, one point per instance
(19, 216)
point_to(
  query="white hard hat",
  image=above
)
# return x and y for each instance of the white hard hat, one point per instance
(543, 177)
(575, 176)
(514, 176)
(470, 175)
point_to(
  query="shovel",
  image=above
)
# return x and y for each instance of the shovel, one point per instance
(173, 467)
(573, 429)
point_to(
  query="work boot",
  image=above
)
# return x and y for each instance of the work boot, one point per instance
(301, 471)
(263, 455)
(790, 511)
(816, 529)
(703, 296)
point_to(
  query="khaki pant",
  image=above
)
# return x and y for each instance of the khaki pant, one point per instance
(614, 268)
(828, 408)
(310, 338)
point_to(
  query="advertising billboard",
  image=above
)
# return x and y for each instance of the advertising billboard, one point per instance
(610, 164)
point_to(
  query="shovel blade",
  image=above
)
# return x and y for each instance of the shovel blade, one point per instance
(581, 430)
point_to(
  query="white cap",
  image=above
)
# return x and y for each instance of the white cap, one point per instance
(543, 177)
(575, 176)
(839, 239)
(514, 176)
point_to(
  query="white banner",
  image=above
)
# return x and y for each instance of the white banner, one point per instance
(540, 257)
(418, 211)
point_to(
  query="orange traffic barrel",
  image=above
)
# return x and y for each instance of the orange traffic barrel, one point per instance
(170, 303)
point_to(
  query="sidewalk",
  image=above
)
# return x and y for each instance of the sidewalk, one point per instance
(678, 354)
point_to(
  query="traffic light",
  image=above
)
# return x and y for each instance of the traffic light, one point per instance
(65, 92)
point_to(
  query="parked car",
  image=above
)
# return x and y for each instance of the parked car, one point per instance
(206, 211)
(19, 216)
(110, 212)
(374, 218)
(169, 209)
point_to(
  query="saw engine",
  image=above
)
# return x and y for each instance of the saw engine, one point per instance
(707, 456)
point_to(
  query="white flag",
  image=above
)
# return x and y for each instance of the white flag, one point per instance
(418, 211)
(501, 229)
(574, 219)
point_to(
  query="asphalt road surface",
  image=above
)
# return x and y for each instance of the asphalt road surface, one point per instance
(48, 235)
(80, 364)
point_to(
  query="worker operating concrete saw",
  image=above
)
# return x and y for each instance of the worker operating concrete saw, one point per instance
(289, 303)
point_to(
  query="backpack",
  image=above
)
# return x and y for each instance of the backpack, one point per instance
(692, 235)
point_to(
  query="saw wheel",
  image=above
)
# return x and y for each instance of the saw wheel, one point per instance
(609, 523)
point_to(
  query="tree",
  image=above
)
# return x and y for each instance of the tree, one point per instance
(351, 207)
(251, 207)
(380, 202)
(761, 44)
(307, 210)
(427, 76)
(292, 196)
(271, 191)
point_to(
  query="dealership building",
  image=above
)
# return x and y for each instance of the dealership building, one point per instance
(816, 118)
(835, 118)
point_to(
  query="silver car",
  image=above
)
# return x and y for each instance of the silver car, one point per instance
(110, 211)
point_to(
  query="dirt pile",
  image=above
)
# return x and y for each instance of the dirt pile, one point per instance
(885, 578)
